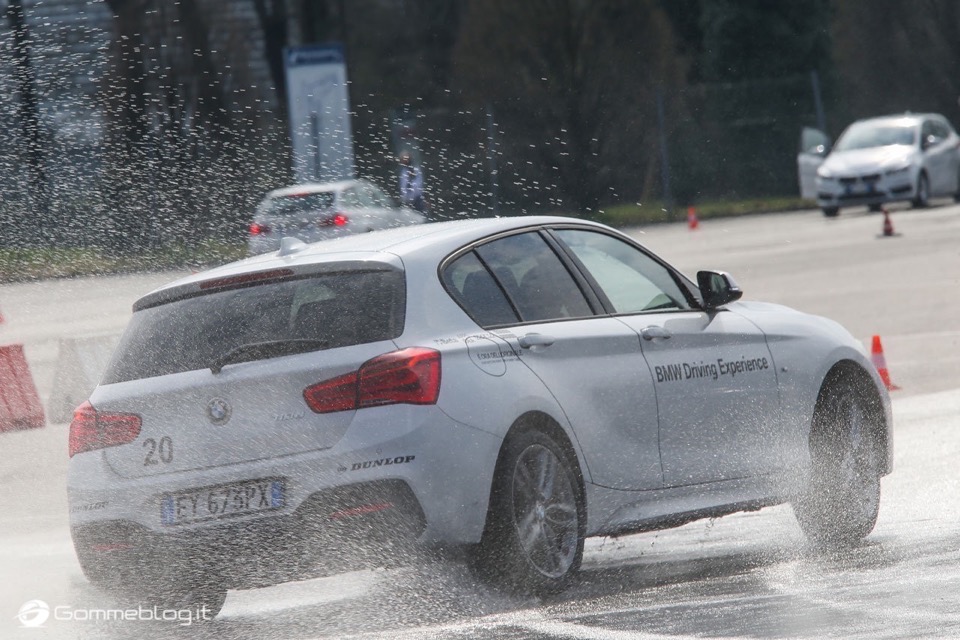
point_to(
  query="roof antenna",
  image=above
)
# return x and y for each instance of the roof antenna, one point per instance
(289, 245)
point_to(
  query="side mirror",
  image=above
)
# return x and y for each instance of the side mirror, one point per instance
(814, 142)
(717, 288)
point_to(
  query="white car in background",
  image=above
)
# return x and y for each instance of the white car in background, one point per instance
(505, 386)
(909, 157)
(319, 211)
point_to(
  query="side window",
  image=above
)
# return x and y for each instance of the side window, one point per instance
(632, 281)
(378, 198)
(350, 198)
(477, 292)
(941, 129)
(534, 278)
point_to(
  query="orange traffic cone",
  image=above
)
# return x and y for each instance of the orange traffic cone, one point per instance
(887, 224)
(692, 222)
(880, 362)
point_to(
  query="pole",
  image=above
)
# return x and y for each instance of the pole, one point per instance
(818, 101)
(492, 162)
(664, 155)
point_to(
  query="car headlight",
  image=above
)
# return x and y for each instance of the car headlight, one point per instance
(824, 173)
(898, 170)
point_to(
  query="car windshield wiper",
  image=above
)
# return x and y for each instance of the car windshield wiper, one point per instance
(263, 350)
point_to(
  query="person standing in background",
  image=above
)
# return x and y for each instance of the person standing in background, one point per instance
(411, 184)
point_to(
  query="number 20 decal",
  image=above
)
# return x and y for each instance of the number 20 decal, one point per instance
(158, 451)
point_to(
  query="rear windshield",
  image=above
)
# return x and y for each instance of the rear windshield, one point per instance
(331, 310)
(299, 203)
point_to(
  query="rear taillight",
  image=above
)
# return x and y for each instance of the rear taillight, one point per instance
(408, 376)
(257, 229)
(336, 220)
(92, 429)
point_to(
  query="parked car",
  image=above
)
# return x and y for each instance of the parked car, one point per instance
(505, 386)
(318, 211)
(908, 157)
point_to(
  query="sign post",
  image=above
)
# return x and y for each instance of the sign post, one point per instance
(319, 110)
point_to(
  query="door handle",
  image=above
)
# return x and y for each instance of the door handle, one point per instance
(653, 331)
(536, 340)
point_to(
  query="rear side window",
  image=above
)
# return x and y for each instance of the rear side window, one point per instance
(535, 279)
(514, 279)
(300, 203)
(331, 310)
(477, 292)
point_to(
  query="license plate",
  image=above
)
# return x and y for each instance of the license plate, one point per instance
(222, 501)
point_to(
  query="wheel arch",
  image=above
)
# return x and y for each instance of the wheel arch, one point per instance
(539, 421)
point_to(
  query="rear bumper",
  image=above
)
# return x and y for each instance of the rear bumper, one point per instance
(351, 527)
(401, 474)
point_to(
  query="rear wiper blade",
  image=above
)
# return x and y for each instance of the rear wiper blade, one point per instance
(263, 350)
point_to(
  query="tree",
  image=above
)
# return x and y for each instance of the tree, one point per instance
(573, 85)
(28, 110)
(186, 155)
(752, 39)
(893, 57)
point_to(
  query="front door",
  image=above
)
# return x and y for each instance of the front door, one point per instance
(716, 386)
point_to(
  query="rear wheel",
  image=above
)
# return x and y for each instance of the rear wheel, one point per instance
(842, 501)
(533, 542)
(831, 212)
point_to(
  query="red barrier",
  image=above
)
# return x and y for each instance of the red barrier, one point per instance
(20, 406)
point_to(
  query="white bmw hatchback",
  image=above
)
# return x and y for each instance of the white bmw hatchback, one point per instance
(504, 386)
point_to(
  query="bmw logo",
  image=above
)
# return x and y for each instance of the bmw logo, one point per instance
(218, 410)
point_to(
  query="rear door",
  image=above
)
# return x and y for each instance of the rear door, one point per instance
(592, 365)
(716, 387)
(940, 150)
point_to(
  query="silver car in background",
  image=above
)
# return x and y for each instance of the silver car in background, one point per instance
(320, 211)
(899, 158)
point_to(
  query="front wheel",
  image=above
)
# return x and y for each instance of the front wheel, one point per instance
(533, 541)
(842, 501)
(831, 212)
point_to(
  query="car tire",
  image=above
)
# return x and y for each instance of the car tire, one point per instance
(536, 524)
(921, 198)
(831, 212)
(842, 500)
(956, 195)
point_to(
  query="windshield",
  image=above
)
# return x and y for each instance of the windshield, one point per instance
(866, 135)
(289, 316)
